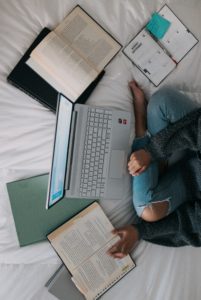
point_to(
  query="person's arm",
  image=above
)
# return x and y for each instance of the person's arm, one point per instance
(181, 228)
(184, 134)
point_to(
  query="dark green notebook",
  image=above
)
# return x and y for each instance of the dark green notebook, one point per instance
(32, 221)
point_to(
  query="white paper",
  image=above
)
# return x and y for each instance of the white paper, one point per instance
(99, 273)
(149, 57)
(65, 66)
(82, 238)
(82, 244)
(84, 35)
(178, 40)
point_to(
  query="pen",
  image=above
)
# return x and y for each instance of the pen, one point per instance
(168, 53)
(164, 49)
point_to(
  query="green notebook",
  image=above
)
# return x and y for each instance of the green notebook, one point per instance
(32, 221)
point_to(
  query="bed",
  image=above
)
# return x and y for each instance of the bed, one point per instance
(26, 138)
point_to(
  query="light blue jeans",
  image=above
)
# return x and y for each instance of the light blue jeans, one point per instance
(166, 106)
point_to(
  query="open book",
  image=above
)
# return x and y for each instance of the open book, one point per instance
(72, 56)
(82, 243)
(156, 58)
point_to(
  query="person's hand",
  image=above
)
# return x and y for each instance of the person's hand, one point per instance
(128, 239)
(139, 162)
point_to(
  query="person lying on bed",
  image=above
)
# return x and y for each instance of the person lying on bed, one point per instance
(169, 205)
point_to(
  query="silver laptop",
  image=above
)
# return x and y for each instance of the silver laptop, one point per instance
(90, 152)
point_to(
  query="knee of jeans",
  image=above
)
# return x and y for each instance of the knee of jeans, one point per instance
(140, 201)
(156, 211)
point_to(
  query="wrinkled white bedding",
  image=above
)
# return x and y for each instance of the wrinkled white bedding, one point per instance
(26, 136)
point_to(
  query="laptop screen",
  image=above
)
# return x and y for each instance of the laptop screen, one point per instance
(60, 151)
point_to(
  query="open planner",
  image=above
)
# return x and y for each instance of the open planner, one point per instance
(82, 243)
(156, 58)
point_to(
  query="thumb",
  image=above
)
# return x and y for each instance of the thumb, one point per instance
(140, 170)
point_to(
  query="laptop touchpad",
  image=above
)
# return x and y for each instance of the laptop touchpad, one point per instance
(117, 162)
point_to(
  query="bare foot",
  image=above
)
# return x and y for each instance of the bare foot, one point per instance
(140, 108)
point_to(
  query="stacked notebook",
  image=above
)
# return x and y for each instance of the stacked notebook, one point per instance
(70, 60)
(60, 285)
(82, 243)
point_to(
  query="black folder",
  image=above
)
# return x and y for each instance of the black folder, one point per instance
(27, 80)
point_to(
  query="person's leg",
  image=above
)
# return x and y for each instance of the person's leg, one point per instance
(167, 106)
(148, 180)
(169, 193)
(153, 198)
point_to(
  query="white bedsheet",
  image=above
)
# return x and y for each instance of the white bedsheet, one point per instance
(26, 136)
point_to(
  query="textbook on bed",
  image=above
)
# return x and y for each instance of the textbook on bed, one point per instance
(82, 243)
(70, 59)
(158, 48)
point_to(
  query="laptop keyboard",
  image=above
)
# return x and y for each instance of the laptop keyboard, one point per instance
(96, 148)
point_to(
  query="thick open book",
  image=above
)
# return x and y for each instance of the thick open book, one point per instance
(156, 58)
(82, 243)
(71, 57)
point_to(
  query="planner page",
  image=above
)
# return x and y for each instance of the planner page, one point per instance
(149, 57)
(178, 40)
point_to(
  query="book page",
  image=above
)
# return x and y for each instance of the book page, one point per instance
(178, 40)
(66, 67)
(82, 236)
(149, 57)
(85, 36)
(94, 276)
(48, 78)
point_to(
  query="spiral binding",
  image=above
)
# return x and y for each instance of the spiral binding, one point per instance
(112, 283)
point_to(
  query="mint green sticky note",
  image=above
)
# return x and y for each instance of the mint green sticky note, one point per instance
(158, 25)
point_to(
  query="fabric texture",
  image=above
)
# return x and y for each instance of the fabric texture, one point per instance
(183, 227)
(165, 107)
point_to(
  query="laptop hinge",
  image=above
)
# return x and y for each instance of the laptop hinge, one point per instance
(71, 151)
